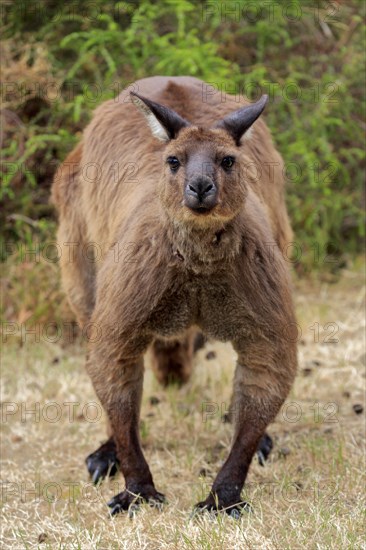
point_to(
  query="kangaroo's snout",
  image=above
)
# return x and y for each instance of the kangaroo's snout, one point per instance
(200, 194)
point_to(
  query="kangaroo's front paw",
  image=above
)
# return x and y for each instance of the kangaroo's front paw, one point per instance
(129, 501)
(103, 461)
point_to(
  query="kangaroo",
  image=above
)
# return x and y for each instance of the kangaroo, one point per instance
(180, 196)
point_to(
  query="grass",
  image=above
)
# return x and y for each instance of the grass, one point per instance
(309, 495)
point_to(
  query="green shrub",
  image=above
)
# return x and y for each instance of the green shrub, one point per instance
(309, 56)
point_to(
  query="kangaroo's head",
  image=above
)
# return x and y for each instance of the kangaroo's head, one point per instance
(202, 175)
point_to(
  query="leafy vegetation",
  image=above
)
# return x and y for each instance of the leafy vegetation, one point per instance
(61, 59)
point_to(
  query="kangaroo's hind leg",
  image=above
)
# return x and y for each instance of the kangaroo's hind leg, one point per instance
(78, 274)
(172, 362)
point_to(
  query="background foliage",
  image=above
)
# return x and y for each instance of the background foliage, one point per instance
(61, 59)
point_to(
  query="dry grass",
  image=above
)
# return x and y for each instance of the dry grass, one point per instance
(310, 494)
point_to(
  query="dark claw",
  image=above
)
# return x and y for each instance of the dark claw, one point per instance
(96, 475)
(132, 510)
(129, 502)
(157, 501)
(264, 449)
(121, 502)
(103, 462)
(116, 509)
(116, 501)
(235, 511)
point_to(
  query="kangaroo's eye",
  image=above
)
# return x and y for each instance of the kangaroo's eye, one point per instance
(227, 162)
(173, 163)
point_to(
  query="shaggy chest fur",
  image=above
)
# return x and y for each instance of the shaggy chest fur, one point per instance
(214, 281)
(201, 294)
(209, 303)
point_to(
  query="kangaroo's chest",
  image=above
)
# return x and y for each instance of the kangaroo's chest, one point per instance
(212, 305)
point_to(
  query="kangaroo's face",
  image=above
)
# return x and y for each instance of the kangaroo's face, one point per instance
(203, 178)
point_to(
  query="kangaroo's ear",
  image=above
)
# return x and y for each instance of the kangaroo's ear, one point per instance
(238, 122)
(164, 123)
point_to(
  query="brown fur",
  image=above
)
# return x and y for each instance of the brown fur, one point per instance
(165, 271)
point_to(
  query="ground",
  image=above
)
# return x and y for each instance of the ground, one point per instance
(310, 494)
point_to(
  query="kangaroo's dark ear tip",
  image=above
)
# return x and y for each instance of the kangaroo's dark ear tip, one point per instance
(137, 98)
(139, 101)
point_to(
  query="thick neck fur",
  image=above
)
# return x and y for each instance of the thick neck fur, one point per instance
(203, 248)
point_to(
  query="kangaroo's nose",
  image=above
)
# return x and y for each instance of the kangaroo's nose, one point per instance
(200, 194)
(201, 188)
